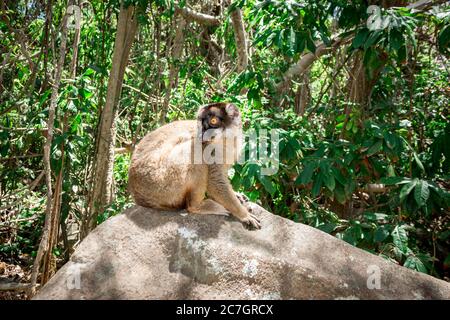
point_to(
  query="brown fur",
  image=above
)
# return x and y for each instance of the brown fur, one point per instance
(158, 182)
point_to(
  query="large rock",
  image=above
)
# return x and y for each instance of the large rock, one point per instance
(146, 254)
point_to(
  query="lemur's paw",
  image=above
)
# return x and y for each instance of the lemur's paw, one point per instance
(243, 199)
(251, 222)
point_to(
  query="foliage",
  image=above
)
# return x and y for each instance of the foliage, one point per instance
(374, 173)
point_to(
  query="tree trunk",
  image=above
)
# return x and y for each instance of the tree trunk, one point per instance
(177, 50)
(240, 38)
(101, 195)
(49, 264)
(360, 86)
(48, 231)
(73, 66)
(303, 95)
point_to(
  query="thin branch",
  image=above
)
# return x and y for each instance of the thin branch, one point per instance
(123, 150)
(322, 92)
(33, 155)
(7, 223)
(32, 187)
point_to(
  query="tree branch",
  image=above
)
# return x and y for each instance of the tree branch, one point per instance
(177, 51)
(31, 188)
(424, 4)
(307, 60)
(240, 38)
(201, 18)
(14, 286)
(45, 239)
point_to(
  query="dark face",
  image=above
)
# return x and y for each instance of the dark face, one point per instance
(214, 116)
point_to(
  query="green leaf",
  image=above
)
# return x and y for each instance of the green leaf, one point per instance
(394, 180)
(375, 216)
(390, 140)
(292, 41)
(85, 93)
(317, 185)
(88, 72)
(349, 125)
(310, 45)
(306, 175)
(339, 194)
(71, 106)
(412, 262)
(267, 183)
(350, 236)
(401, 53)
(360, 38)
(248, 175)
(328, 180)
(447, 260)
(375, 147)
(251, 169)
(421, 193)
(418, 162)
(44, 97)
(327, 227)
(301, 44)
(339, 176)
(372, 62)
(269, 39)
(390, 170)
(396, 40)
(407, 189)
(400, 238)
(381, 234)
(444, 39)
(75, 125)
(279, 39)
(372, 39)
(340, 118)
(293, 142)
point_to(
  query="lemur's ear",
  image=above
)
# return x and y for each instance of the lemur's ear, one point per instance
(202, 111)
(232, 111)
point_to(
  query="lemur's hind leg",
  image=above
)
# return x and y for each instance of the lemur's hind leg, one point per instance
(209, 206)
(197, 204)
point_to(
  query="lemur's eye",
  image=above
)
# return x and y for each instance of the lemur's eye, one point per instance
(214, 120)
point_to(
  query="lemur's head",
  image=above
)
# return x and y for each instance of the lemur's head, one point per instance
(220, 118)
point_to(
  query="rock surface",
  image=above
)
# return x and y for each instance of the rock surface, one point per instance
(146, 254)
